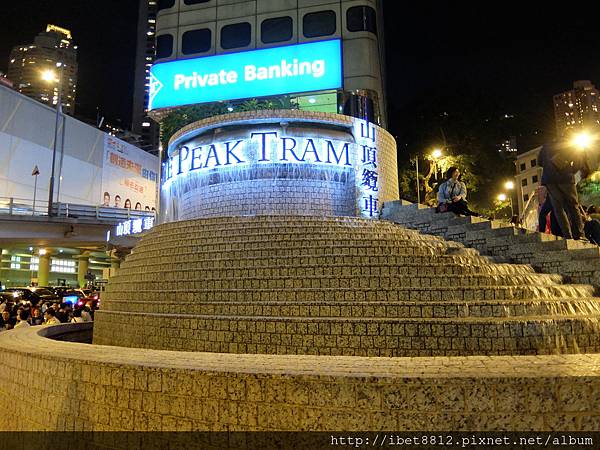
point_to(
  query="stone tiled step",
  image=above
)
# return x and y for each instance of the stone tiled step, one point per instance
(487, 308)
(266, 220)
(531, 242)
(354, 337)
(289, 269)
(264, 242)
(380, 266)
(302, 278)
(310, 248)
(256, 291)
(287, 233)
(578, 261)
(300, 250)
(241, 259)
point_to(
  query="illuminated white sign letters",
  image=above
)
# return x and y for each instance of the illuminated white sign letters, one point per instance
(134, 226)
(268, 146)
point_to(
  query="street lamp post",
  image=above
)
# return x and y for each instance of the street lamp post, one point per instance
(50, 76)
(418, 186)
(509, 185)
(436, 154)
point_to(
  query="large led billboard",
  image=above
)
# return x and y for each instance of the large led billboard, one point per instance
(314, 66)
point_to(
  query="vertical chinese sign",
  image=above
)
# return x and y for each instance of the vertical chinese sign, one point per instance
(367, 169)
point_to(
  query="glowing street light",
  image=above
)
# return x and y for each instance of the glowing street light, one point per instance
(582, 140)
(49, 75)
(503, 197)
(437, 153)
(509, 185)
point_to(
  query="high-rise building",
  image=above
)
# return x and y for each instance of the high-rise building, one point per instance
(577, 108)
(188, 29)
(33, 68)
(145, 53)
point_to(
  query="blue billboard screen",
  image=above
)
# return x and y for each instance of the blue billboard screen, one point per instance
(315, 66)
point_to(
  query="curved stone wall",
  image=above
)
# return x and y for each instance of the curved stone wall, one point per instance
(278, 162)
(80, 387)
(334, 286)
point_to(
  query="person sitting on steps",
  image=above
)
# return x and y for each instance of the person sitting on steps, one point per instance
(452, 195)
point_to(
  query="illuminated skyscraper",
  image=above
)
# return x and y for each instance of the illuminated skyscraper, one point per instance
(145, 53)
(29, 62)
(577, 108)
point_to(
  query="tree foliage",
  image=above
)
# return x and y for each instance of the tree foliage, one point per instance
(185, 115)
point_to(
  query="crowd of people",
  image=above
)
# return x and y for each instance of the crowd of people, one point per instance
(25, 314)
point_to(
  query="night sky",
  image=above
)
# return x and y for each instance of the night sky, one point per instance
(456, 59)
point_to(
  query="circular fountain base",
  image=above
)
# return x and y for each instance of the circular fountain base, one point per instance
(105, 388)
(335, 286)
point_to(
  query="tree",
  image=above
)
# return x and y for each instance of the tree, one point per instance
(185, 115)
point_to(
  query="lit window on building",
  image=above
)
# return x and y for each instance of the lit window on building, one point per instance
(63, 266)
(15, 262)
(34, 263)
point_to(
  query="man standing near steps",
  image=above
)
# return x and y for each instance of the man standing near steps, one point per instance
(561, 162)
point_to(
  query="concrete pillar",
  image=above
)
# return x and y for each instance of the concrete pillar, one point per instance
(44, 269)
(82, 268)
(116, 257)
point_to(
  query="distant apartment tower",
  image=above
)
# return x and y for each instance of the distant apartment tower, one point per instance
(197, 28)
(577, 108)
(141, 124)
(28, 62)
(528, 177)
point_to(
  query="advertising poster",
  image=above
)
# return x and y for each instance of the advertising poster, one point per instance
(129, 176)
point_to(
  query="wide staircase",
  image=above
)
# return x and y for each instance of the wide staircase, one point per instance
(576, 261)
(335, 286)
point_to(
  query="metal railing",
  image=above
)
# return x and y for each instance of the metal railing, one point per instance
(25, 207)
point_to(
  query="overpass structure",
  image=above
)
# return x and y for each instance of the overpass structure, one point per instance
(34, 243)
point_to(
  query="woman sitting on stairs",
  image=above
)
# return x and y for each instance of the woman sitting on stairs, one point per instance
(452, 195)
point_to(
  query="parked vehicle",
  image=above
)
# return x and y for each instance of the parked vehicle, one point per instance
(30, 294)
(79, 297)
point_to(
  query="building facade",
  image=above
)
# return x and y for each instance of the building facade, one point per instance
(188, 29)
(33, 68)
(577, 108)
(93, 169)
(141, 124)
(528, 176)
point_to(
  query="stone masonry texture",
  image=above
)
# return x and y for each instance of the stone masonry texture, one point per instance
(335, 286)
(111, 388)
